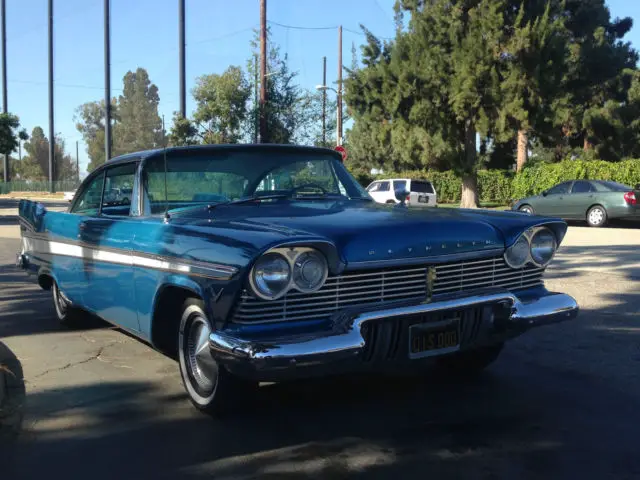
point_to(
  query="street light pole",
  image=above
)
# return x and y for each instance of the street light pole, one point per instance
(263, 72)
(324, 102)
(52, 138)
(3, 7)
(339, 126)
(324, 88)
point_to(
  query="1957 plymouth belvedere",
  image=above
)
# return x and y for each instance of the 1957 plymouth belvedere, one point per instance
(258, 263)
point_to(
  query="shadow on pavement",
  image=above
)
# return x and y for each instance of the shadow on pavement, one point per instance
(506, 425)
(25, 309)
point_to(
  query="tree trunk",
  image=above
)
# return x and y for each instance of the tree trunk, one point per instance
(523, 150)
(587, 144)
(469, 196)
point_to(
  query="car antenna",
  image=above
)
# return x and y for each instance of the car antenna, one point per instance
(164, 154)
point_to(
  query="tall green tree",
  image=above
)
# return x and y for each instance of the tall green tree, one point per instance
(429, 95)
(35, 163)
(183, 132)
(136, 124)
(598, 60)
(533, 70)
(286, 101)
(139, 127)
(10, 136)
(221, 106)
(90, 122)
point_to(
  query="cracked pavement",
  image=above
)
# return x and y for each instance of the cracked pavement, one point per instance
(561, 402)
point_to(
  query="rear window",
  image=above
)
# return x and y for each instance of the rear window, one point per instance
(613, 186)
(421, 187)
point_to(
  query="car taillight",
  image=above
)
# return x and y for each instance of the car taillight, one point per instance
(408, 197)
(630, 198)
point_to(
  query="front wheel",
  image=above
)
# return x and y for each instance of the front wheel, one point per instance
(211, 388)
(470, 362)
(597, 216)
(528, 209)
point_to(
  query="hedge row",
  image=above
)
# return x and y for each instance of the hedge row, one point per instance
(502, 186)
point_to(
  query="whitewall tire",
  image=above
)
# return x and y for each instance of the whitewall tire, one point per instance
(211, 388)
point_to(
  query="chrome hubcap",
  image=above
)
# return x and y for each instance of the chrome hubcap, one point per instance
(596, 216)
(526, 210)
(202, 366)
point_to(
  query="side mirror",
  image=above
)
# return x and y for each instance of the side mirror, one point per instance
(545, 193)
(401, 195)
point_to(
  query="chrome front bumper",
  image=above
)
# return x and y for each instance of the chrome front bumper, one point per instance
(341, 347)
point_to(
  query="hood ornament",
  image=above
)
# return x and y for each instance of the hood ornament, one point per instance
(431, 281)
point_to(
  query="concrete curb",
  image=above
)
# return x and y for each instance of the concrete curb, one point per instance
(12, 393)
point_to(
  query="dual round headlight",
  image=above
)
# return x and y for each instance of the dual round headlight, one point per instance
(277, 272)
(537, 246)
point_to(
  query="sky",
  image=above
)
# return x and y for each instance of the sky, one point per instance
(144, 33)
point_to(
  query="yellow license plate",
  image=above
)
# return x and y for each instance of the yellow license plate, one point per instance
(436, 338)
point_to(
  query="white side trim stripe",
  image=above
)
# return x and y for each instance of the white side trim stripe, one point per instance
(40, 246)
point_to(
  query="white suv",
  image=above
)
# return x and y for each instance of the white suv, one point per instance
(422, 193)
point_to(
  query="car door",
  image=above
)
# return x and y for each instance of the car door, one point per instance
(552, 202)
(380, 191)
(67, 228)
(580, 199)
(107, 236)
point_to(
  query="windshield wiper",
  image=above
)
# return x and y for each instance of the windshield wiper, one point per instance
(253, 198)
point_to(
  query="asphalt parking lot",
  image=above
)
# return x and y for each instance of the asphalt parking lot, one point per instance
(561, 402)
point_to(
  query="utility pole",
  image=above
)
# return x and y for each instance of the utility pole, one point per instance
(263, 72)
(77, 163)
(183, 95)
(256, 120)
(107, 82)
(324, 101)
(3, 7)
(339, 116)
(52, 137)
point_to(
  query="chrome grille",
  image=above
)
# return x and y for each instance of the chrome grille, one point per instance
(385, 285)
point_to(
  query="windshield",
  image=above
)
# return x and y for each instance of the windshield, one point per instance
(209, 177)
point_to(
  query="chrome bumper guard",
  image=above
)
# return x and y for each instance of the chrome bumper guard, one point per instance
(338, 349)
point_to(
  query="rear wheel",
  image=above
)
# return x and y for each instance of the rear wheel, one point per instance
(67, 314)
(470, 362)
(211, 388)
(597, 216)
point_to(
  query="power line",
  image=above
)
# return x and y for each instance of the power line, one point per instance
(68, 85)
(298, 27)
(295, 27)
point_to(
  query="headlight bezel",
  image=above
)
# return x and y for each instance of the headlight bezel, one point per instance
(290, 255)
(529, 235)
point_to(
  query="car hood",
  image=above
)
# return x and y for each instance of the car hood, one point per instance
(369, 232)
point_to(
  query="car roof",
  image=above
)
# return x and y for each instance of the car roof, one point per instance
(241, 147)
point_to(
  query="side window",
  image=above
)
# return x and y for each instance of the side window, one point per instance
(397, 184)
(582, 187)
(383, 187)
(88, 203)
(421, 187)
(559, 189)
(118, 190)
(373, 187)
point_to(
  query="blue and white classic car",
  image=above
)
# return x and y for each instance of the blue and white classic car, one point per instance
(253, 263)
